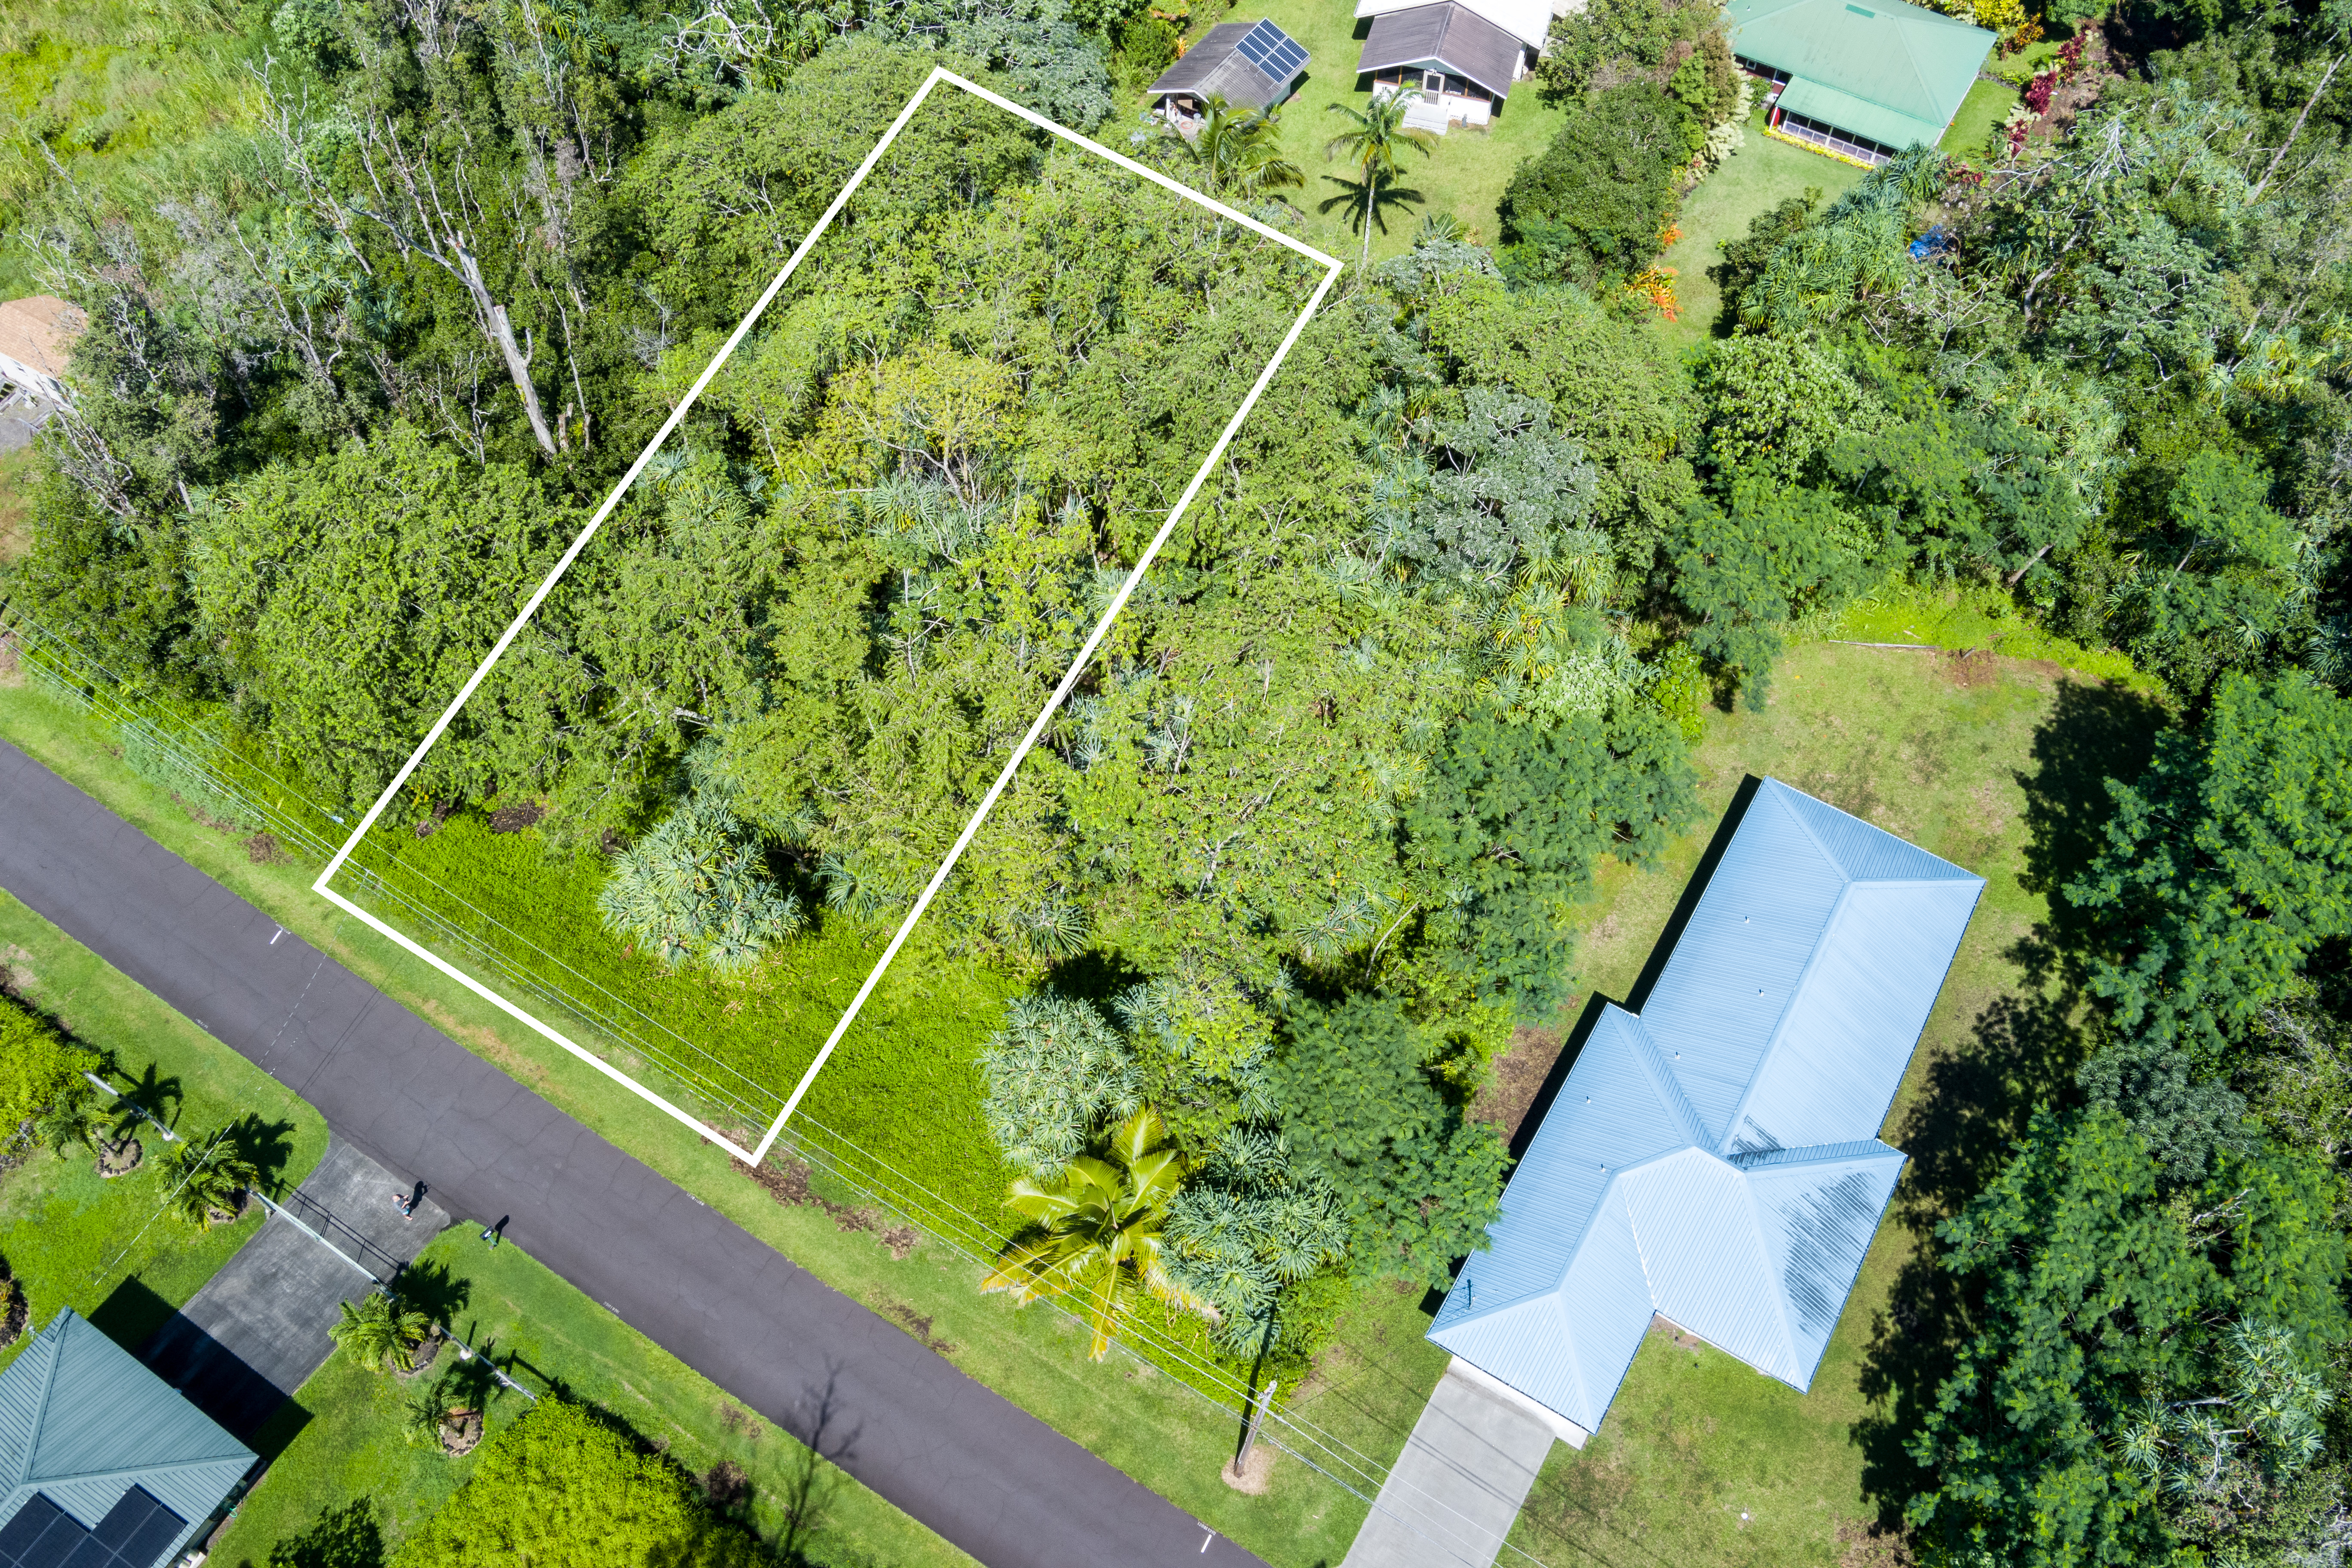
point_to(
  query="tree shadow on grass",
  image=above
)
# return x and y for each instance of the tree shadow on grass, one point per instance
(1978, 1103)
(2094, 733)
(346, 1537)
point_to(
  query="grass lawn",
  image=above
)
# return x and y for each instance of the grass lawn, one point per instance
(1464, 175)
(115, 85)
(1986, 106)
(1759, 176)
(1995, 763)
(103, 1248)
(547, 1333)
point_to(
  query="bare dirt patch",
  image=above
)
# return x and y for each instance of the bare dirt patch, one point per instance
(917, 1326)
(1969, 669)
(1865, 1545)
(263, 850)
(514, 818)
(1254, 1478)
(788, 1183)
(1518, 1077)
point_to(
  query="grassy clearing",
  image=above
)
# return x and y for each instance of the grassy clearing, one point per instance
(546, 1333)
(110, 87)
(1162, 1433)
(1757, 178)
(1995, 763)
(1979, 114)
(905, 1083)
(98, 1247)
(1464, 175)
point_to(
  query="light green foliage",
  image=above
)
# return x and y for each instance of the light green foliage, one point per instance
(2099, 1299)
(1773, 403)
(362, 590)
(1611, 41)
(1056, 1072)
(2226, 866)
(560, 1485)
(1511, 822)
(696, 890)
(1824, 270)
(1096, 1237)
(1487, 493)
(1363, 1112)
(38, 1070)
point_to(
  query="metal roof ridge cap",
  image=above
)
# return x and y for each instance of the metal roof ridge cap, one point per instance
(129, 1474)
(1788, 1159)
(1780, 1024)
(1779, 1281)
(1667, 1087)
(55, 1335)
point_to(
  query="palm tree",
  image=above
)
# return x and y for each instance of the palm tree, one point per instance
(1376, 133)
(1239, 153)
(1098, 1234)
(208, 1177)
(381, 1331)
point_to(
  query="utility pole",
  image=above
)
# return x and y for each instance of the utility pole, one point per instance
(1258, 1418)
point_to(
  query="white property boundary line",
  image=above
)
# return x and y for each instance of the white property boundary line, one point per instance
(1078, 666)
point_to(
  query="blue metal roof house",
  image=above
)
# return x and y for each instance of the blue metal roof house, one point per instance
(103, 1464)
(1716, 1160)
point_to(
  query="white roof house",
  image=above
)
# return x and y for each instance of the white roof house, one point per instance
(1529, 21)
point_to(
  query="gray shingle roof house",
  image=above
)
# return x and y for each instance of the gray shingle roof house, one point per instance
(1448, 40)
(102, 1464)
(1250, 65)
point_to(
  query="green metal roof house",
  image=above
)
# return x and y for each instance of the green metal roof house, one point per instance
(1859, 79)
(103, 1464)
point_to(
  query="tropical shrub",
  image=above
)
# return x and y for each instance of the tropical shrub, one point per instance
(206, 1178)
(1096, 1237)
(1056, 1072)
(38, 1070)
(562, 1484)
(1416, 1182)
(382, 1333)
(1595, 203)
(1249, 1228)
(696, 890)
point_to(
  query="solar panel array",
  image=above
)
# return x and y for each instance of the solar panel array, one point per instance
(136, 1531)
(1273, 51)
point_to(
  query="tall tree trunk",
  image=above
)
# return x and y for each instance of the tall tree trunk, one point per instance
(501, 330)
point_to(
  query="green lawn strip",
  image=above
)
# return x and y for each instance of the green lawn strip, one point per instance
(1759, 176)
(102, 1247)
(1974, 619)
(1163, 1434)
(1941, 751)
(351, 1444)
(904, 1085)
(1464, 173)
(1971, 133)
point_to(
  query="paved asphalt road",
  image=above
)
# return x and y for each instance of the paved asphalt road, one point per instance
(967, 1463)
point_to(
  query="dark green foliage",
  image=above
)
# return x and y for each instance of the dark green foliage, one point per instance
(2097, 1298)
(1744, 569)
(1745, 259)
(1514, 818)
(1594, 202)
(2186, 1124)
(2226, 866)
(345, 1537)
(1362, 1111)
(561, 1485)
(1058, 1074)
(697, 890)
